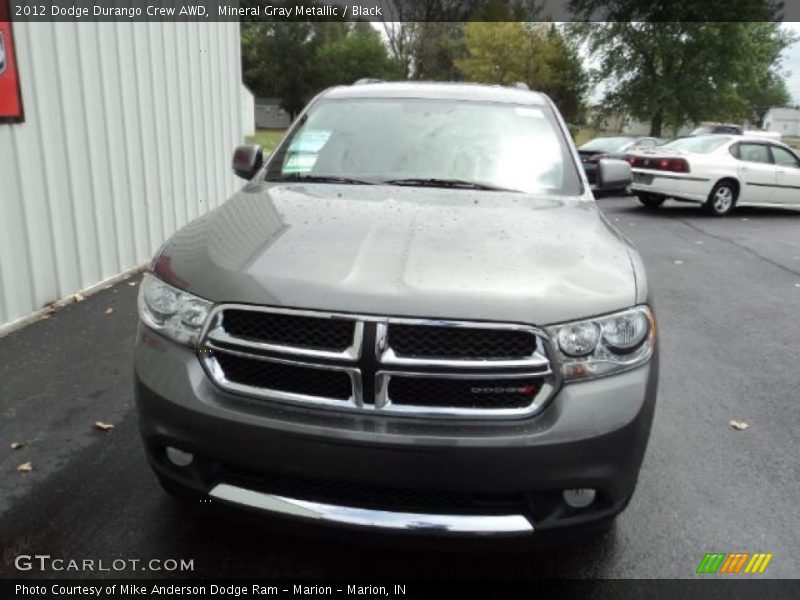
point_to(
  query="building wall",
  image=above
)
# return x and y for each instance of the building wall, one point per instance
(248, 112)
(269, 115)
(790, 127)
(128, 133)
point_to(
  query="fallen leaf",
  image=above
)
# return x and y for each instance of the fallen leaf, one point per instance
(79, 297)
(109, 311)
(103, 426)
(678, 262)
(739, 425)
(25, 468)
(17, 445)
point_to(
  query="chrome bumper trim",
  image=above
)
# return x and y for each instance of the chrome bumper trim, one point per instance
(480, 525)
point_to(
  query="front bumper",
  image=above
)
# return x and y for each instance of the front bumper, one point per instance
(357, 470)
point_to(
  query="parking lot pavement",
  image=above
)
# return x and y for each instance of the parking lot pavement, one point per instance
(727, 300)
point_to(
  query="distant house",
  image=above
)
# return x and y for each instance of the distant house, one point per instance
(785, 121)
(627, 125)
(270, 115)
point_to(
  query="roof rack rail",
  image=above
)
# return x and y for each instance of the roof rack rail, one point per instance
(520, 85)
(365, 80)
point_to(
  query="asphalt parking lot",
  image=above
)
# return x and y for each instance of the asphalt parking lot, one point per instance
(727, 301)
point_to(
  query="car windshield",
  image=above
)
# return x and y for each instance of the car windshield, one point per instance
(426, 142)
(701, 144)
(607, 144)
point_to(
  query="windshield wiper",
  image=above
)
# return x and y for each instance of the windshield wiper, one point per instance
(319, 179)
(446, 183)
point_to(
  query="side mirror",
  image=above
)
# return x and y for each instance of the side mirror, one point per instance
(613, 174)
(247, 160)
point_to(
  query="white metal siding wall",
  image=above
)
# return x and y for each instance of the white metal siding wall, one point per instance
(248, 112)
(128, 133)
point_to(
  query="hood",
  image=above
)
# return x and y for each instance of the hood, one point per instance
(404, 251)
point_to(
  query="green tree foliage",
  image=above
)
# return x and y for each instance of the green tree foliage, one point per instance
(674, 72)
(361, 53)
(294, 60)
(534, 53)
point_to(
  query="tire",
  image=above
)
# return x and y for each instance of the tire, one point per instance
(722, 199)
(650, 200)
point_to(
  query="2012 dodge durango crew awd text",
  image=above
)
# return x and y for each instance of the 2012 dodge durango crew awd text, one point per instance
(412, 318)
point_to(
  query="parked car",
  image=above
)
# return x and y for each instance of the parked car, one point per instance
(718, 128)
(413, 318)
(721, 129)
(610, 147)
(718, 172)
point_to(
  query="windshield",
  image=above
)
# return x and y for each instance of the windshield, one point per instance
(428, 142)
(700, 144)
(607, 144)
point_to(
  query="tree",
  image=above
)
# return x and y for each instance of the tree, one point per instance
(534, 53)
(278, 60)
(361, 53)
(293, 60)
(670, 72)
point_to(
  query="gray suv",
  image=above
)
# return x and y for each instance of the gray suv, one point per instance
(412, 318)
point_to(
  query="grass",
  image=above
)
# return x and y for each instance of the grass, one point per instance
(584, 134)
(266, 138)
(794, 142)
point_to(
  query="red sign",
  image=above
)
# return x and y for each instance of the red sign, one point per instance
(10, 96)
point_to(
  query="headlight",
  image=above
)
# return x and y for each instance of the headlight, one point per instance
(172, 312)
(605, 345)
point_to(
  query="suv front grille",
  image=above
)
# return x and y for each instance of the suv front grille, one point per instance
(335, 335)
(380, 365)
(460, 343)
(468, 392)
(287, 378)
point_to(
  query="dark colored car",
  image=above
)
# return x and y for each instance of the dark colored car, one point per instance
(610, 147)
(413, 318)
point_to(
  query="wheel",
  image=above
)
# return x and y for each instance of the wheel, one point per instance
(650, 200)
(722, 199)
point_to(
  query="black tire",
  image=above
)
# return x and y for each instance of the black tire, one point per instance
(722, 199)
(650, 200)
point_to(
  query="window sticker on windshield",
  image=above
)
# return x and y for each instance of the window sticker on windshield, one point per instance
(299, 163)
(309, 141)
(525, 111)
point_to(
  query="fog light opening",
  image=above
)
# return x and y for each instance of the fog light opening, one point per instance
(179, 458)
(579, 497)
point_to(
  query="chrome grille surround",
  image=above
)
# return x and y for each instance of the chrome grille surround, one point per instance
(371, 363)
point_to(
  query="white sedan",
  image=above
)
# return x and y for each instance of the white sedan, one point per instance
(717, 171)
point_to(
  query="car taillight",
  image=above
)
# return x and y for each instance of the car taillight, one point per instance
(678, 165)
